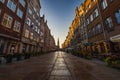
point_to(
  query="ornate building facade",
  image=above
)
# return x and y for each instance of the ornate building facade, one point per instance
(12, 17)
(98, 30)
(22, 29)
(31, 31)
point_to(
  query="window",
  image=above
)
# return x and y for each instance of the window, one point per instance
(2, 44)
(33, 16)
(89, 6)
(89, 33)
(38, 31)
(17, 26)
(32, 26)
(28, 21)
(2, 1)
(104, 4)
(39, 24)
(95, 14)
(41, 34)
(22, 2)
(30, 11)
(7, 21)
(27, 33)
(109, 24)
(36, 21)
(86, 10)
(93, 0)
(37, 39)
(42, 41)
(35, 9)
(31, 35)
(36, 28)
(93, 31)
(91, 18)
(11, 5)
(37, 14)
(98, 28)
(84, 24)
(88, 21)
(19, 13)
(117, 15)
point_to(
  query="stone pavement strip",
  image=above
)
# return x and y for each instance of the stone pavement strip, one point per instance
(57, 66)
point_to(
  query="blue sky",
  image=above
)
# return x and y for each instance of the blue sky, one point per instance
(59, 14)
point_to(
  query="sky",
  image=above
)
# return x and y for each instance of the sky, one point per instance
(59, 15)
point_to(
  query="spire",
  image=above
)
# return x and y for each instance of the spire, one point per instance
(43, 15)
(58, 43)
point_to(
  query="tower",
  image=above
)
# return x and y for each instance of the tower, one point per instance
(58, 44)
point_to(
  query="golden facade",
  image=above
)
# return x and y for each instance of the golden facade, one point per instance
(94, 28)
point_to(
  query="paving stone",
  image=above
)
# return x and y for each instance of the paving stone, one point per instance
(57, 66)
(60, 73)
(60, 68)
(60, 78)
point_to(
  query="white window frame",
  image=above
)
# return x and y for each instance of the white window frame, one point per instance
(27, 33)
(31, 35)
(30, 11)
(96, 13)
(11, 6)
(19, 13)
(9, 20)
(104, 4)
(17, 26)
(22, 2)
(28, 21)
(91, 18)
(117, 17)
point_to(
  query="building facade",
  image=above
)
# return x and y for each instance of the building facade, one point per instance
(110, 13)
(12, 16)
(98, 31)
(95, 28)
(74, 25)
(22, 29)
(52, 44)
(31, 31)
(47, 35)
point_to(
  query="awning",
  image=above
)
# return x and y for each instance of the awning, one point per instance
(115, 38)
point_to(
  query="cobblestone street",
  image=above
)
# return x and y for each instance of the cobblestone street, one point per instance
(57, 66)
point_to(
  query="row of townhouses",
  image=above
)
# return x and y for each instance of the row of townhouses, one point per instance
(22, 29)
(96, 27)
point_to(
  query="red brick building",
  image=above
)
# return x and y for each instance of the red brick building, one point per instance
(12, 17)
(31, 32)
(99, 29)
(110, 12)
